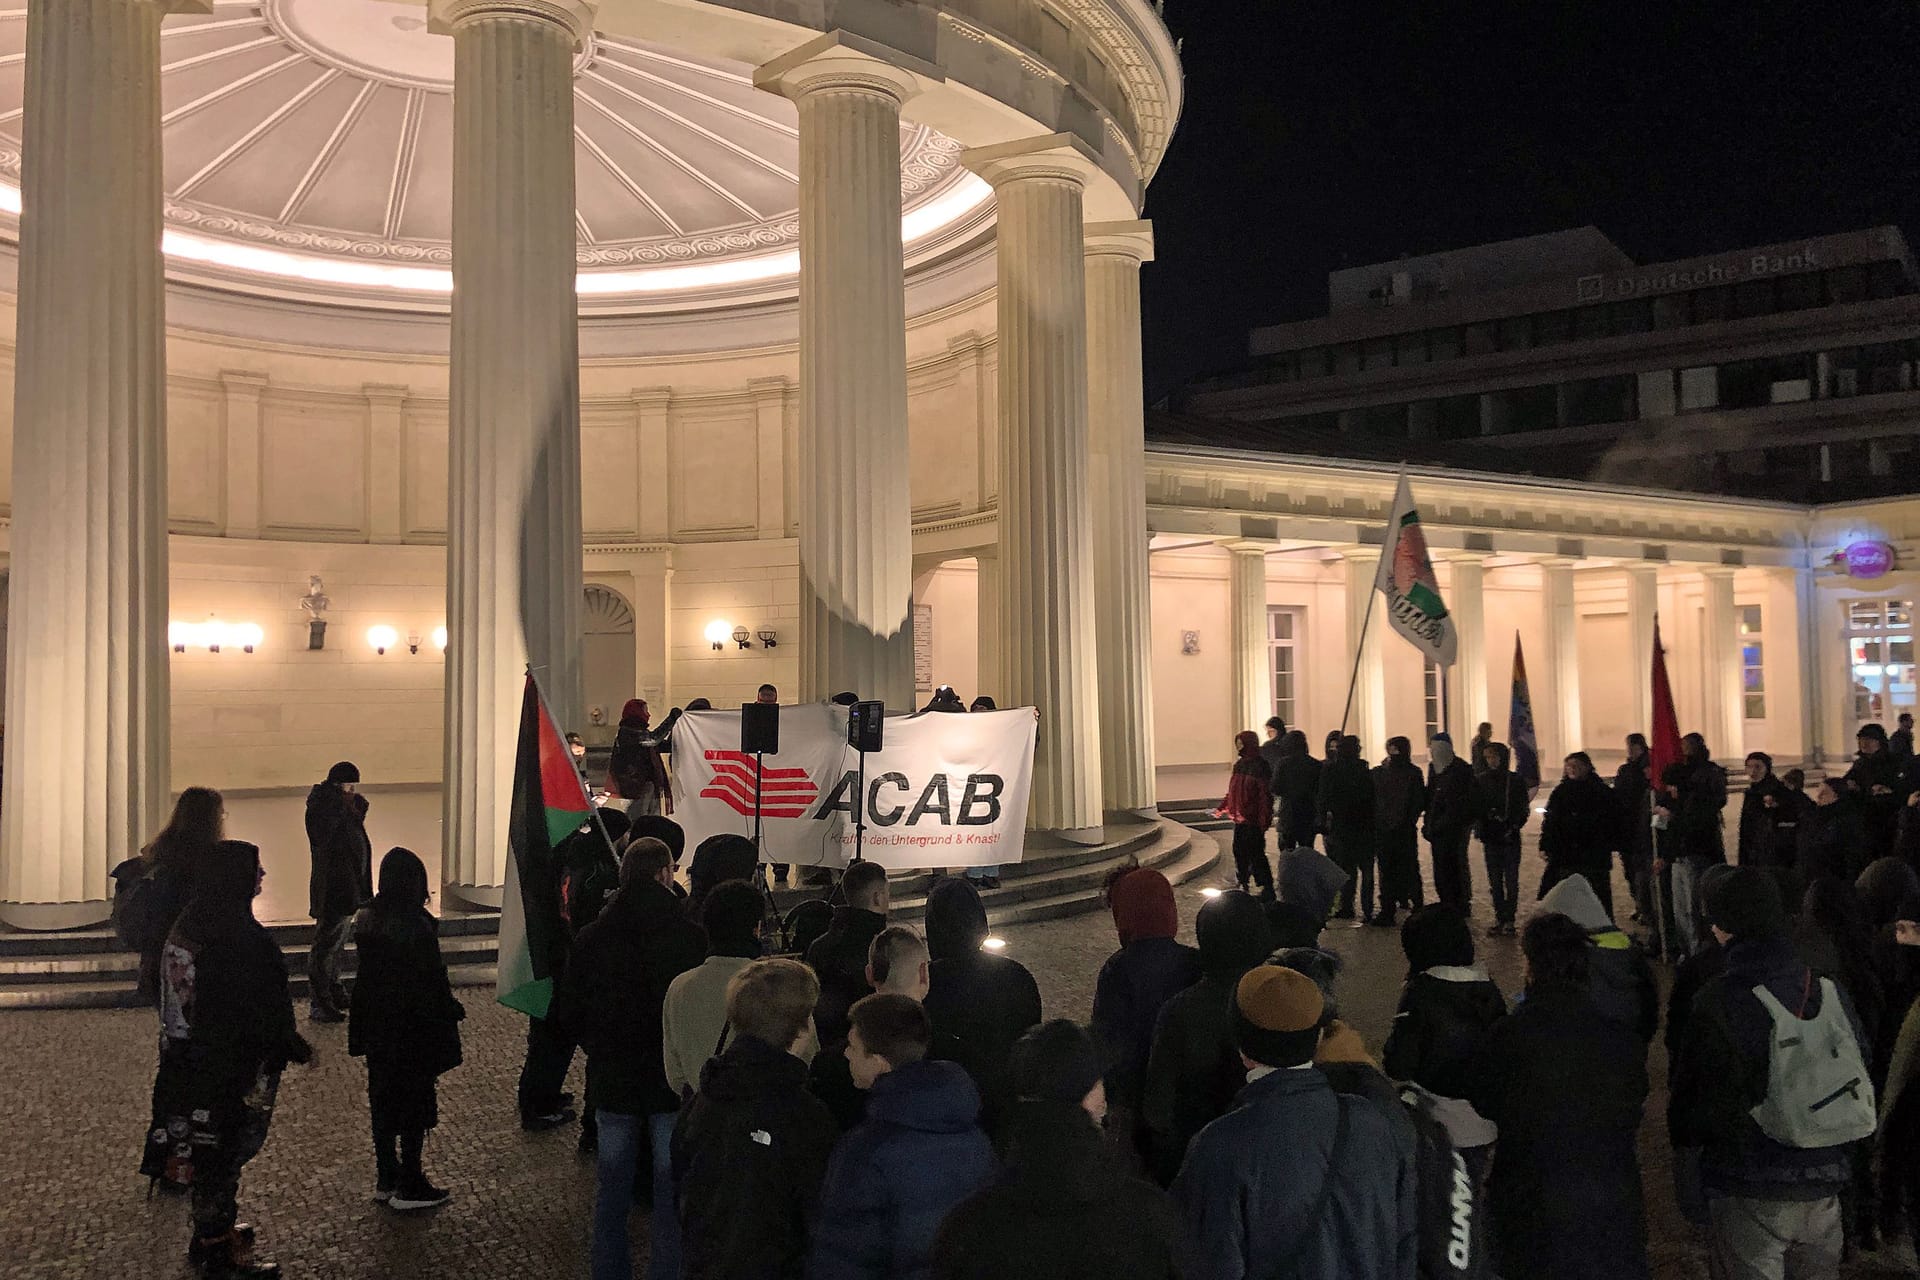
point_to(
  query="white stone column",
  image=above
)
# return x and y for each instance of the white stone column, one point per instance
(1247, 621)
(1367, 718)
(1116, 410)
(1643, 604)
(86, 705)
(856, 517)
(513, 440)
(1046, 525)
(1467, 681)
(1723, 713)
(1563, 665)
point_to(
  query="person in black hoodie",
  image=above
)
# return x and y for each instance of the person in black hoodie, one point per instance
(717, 860)
(1296, 793)
(1399, 800)
(750, 1151)
(405, 1021)
(1193, 1070)
(1135, 983)
(839, 957)
(1446, 1008)
(1694, 816)
(980, 1003)
(1061, 1208)
(610, 999)
(1577, 835)
(342, 879)
(1449, 823)
(1346, 807)
(1633, 796)
(227, 1032)
(1875, 778)
(1501, 809)
(1761, 809)
(1274, 749)
(1832, 837)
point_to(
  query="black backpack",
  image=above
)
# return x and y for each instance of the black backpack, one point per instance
(1453, 1226)
(136, 904)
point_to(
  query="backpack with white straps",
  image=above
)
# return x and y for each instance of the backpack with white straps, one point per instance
(1818, 1091)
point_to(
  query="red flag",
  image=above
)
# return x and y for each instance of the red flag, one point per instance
(1663, 746)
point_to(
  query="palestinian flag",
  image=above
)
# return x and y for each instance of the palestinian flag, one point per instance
(549, 804)
(1407, 580)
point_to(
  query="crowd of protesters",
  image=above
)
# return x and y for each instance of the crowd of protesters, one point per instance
(875, 1102)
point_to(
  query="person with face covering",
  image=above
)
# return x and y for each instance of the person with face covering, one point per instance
(1296, 793)
(405, 1021)
(1449, 823)
(1346, 803)
(227, 1032)
(1500, 812)
(636, 773)
(342, 879)
(1633, 796)
(1193, 1070)
(1577, 835)
(1249, 806)
(1135, 984)
(980, 1003)
(1399, 798)
(1875, 778)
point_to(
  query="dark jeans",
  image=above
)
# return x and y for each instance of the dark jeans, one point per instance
(222, 1154)
(549, 1054)
(1352, 852)
(1503, 875)
(323, 958)
(1452, 872)
(1399, 855)
(1250, 856)
(396, 1155)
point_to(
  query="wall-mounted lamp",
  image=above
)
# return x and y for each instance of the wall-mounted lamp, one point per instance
(248, 635)
(743, 637)
(440, 639)
(413, 642)
(767, 639)
(717, 632)
(382, 638)
(213, 634)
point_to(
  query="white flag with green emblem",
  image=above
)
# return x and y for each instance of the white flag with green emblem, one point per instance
(1406, 580)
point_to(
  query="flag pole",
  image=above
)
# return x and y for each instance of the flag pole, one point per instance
(593, 810)
(1353, 681)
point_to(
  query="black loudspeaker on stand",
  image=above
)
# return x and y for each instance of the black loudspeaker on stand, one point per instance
(865, 732)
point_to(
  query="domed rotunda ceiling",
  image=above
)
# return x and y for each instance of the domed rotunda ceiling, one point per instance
(308, 151)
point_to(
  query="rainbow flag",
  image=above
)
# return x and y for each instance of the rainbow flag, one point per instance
(1520, 735)
(549, 804)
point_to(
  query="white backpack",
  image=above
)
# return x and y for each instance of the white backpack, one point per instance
(1818, 1091)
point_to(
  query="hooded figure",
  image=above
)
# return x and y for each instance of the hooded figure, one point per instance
(1449, 823)
(1296, 793)
(717, 860)
(1620, 981)
(1274, 749)
(1136, 982)
(1346, 806)
(979, 1003)
(1399, 798)
(1633, 797)
(1310, 884)
(1447, 1006)
(1577, 834)
(635, 772)
(1194, 1070)
(1500, 812)
(1249, 806)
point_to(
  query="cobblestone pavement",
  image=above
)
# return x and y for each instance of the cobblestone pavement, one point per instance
(78, 1085)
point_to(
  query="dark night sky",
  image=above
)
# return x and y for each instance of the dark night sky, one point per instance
(1328, 133)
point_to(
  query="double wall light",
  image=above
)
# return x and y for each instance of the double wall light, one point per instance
(382, 637)
(719, 631)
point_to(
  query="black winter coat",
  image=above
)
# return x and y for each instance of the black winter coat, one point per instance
(404, 1017)
(1881, 813)
(1193, 1073)
(1566, 1087)
(749, 1155)
(1296, 790)
(1697, 820)
(1832, 841)
(839, 958)
(1253, 1177)
(613, 989)
(1579, 829)
(1449, 800)
(1399, 795)
(1060, 1210)
(979, 1003)
(226, 1014)
(342, 877)
(897, 1175)
(1134, 985)
(1760, 844)
(1633, 797)
(1445, 1013)
(1346, 799)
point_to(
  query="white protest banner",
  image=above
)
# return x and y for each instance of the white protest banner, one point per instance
(948, 790)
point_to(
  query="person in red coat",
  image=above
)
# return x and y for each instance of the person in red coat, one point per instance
(1249, 805)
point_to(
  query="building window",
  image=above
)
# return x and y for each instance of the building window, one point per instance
(1700, 387)
(1753, 674)
(1283, 660)
(1880, 657)
(1435, 699)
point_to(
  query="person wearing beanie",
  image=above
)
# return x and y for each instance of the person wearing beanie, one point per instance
(717, 860)
(1135, 983)
(1249, 807)
(1875, 780)
(1193, 1070)
(1297, 1179)
(1501, 810)
(1346, 808)
(341, 881)
(1273, 749)
(1062, 1207)
(1764, 807)
(980, 1002)
(1449, 823)
(1621, 983)
(1399, 800)
(1566, 1089)
(1691, 807)
(1446, 1007)
(1767, 1199)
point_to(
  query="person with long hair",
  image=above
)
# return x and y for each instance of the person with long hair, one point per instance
(168, 866)
(405, 1021)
